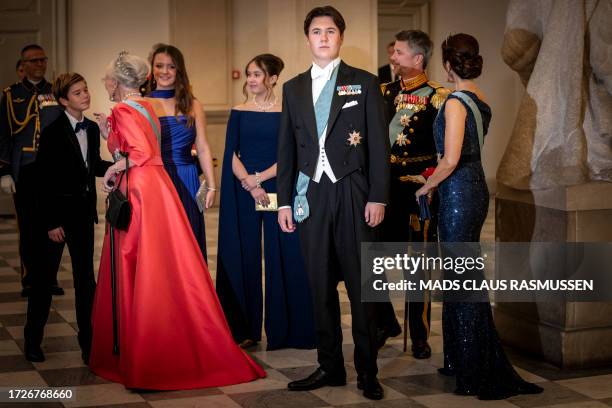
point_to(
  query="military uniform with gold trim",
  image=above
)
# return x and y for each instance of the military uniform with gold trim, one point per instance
(25, 110)
(412, 107)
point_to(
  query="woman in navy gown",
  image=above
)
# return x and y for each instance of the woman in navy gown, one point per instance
(183, 124)
(249, 175)
(472, 350)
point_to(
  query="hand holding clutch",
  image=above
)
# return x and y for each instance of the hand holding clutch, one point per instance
(272, 205)
(424, 213)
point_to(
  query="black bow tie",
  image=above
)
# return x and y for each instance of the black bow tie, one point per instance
(80, 126)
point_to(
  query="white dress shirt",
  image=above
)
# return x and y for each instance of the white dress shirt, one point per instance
(320, 76)
(81, 136)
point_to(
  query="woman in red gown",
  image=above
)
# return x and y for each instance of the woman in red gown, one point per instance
(171, 328)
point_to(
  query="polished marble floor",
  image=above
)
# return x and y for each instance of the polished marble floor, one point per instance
(408, 382)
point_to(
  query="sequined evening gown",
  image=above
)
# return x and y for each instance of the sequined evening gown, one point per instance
(472, 348)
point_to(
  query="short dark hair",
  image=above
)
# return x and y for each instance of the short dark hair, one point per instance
(461, 51)
(62, 84)
(418, 41)
(31, 47)
(391, 44)
(325, 11)
(18, 64)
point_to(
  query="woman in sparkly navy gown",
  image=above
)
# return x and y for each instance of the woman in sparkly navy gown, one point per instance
(183, 124)
(472, 350)
(249, 175)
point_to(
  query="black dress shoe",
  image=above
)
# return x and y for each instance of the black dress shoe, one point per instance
(421, 349)
(316, 380)
(383, 334)
(247, 343)
(371, 387)
(34, 354)
(446, 371)
(57, 291)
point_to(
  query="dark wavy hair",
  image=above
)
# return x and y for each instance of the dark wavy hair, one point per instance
(182, 86)
(462, 52)
(270, 64)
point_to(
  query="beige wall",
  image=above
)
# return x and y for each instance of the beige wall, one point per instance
(276, 26)
(99, 30)
(485, 20)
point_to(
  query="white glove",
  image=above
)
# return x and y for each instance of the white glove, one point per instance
(7, 184)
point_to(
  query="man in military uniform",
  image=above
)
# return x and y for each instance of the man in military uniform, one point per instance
(412, 103)
(26, 108)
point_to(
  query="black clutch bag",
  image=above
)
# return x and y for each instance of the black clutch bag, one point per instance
(424, 213)
(118, 208)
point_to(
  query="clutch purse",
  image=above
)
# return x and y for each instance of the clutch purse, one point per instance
(201, 197)
(424, 213)
(118, 208)
(273, 206)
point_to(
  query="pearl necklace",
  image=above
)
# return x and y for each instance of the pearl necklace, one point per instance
(264, 108)
(127, 95)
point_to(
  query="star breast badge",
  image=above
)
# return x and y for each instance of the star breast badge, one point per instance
(401, 139)
(404, 120)
(354, 138)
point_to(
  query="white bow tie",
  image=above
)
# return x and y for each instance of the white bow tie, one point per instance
(318, 72)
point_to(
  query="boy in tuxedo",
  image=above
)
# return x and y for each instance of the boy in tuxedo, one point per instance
(68, 162)
(333, 140)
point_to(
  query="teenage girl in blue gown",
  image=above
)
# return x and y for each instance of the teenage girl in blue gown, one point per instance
(249, 176)
(183, 126)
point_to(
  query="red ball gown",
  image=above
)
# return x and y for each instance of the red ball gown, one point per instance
(172, 331)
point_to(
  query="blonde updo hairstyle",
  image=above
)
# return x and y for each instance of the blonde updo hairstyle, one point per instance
(128, 70)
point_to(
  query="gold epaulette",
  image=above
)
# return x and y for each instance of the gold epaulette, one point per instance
(383, 87)
(440, 95)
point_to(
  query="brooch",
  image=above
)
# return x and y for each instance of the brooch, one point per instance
(348, 90)
(354, 138)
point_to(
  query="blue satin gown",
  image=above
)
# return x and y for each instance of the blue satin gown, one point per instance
(472, 349)
(289, 316)
(176, 142)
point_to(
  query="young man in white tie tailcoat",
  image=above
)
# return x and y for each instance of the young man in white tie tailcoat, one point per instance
(333, 181)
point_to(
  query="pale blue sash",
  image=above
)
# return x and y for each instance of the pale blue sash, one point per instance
(301, 210)
(476, 112)
(146, 114)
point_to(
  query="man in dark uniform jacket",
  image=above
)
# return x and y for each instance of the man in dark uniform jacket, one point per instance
(386, 72)
(412, 105)
(27, 107)
(332, 139)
